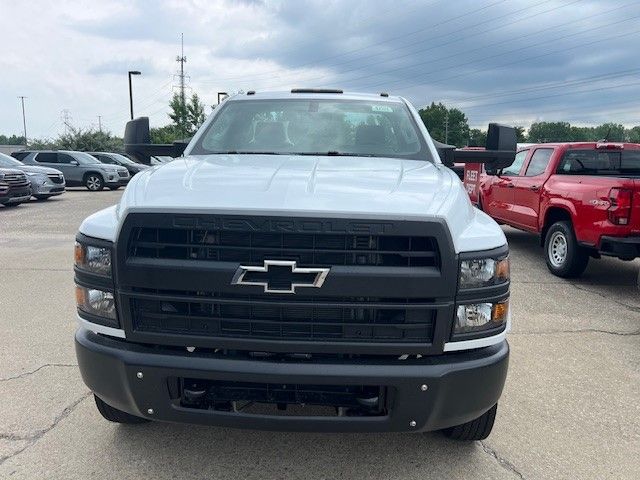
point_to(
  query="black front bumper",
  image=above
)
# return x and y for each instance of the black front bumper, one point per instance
(627, 248)
(460, 386)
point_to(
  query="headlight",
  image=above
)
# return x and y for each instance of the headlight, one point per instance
(96, 302)
(481, 316)
(93, 259)
(483, 272)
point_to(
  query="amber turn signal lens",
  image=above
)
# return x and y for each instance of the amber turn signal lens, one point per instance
(503, 270)
(500, 312)
(79, 254)
(81, 298)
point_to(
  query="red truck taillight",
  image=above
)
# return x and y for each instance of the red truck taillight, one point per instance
(620, 209)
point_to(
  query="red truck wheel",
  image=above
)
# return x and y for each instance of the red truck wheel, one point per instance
(565, 257)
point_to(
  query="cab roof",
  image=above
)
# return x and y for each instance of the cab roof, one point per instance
(316, 93)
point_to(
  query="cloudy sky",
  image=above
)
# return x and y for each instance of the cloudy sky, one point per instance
(515, 61)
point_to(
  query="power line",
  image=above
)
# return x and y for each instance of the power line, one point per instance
(497, 55)
(495, 68)
(431, 46)
(315, 62)
(551, 85)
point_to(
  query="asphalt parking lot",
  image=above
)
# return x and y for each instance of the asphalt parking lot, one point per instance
(571, 407)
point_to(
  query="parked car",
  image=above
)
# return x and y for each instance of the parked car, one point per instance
(45, 182)
(14, 187)
(296, 266)
(583, 199)
(121, 160)
(80, 169)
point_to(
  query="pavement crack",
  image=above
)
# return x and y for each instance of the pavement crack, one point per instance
(583, 330)
(503, 462)
(33, 438)
(631, 308)
(46, 365)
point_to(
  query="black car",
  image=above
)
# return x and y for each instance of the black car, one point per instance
(14, 187)
(119, 159)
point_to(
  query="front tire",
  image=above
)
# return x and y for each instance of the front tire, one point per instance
(94, 182)
(564, 256)
(115, 415)
(477, 429)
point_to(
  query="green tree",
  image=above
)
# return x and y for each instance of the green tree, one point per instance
(448, 125)
(179, 115)
(195, 113)
(614, 132)
(11, 140)
(89, 140)
(477, 138)
(633, 134)
(549, 132)
(521, 136)
(187, 117)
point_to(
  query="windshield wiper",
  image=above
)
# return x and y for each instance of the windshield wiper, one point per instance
(335, 153)
(244, 152)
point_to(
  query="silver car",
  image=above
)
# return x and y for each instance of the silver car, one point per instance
(80, 169)
(45, 182)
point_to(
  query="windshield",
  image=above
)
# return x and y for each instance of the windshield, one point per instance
(122, 159)
(9, 162)
(314, 127)
(85, 158)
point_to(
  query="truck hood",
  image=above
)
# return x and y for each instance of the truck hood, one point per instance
(295, 184)
(305, 186)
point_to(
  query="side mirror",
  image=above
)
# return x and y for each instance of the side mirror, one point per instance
(500, 151)
(74, 162)
(137, 142)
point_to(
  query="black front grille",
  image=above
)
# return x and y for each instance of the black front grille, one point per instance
(290, 320)
(387, 289)
(16, 179)
(55, 178)
(306, 249)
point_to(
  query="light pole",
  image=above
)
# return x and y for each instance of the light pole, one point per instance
(24, 120)
(132, 72)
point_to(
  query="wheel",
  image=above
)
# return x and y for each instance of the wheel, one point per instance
(94, 182)
(565, 257)
(41, 197)
(115, 415)
(114, 188)
(477, 429)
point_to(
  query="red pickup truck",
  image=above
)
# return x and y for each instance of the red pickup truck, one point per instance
(582, 198)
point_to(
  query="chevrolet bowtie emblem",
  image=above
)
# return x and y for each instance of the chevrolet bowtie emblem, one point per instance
(280, 276)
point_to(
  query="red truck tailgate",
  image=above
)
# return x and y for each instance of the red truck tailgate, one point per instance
(635, 208)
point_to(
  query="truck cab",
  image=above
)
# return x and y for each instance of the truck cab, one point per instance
(308, 264)
(582, 198)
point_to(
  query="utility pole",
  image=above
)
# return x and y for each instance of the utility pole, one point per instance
(446, 126)
(24, 120)
(181, 59)
(100, 123)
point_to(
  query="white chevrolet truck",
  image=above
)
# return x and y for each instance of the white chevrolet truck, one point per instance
(308, 264)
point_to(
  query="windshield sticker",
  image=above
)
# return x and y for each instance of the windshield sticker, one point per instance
(381, 108)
